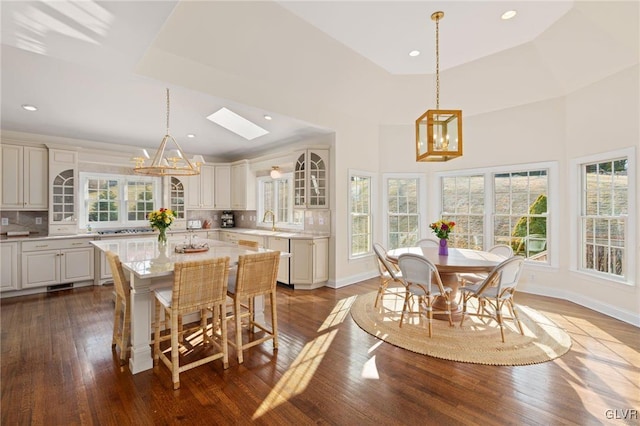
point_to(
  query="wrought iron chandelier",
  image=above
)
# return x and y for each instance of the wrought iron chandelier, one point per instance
(167, 162)
(438, 131)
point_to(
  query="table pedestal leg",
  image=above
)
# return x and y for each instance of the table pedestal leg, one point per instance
(448, 280)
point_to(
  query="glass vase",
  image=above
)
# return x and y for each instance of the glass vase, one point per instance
(162, 237)
(443, 250)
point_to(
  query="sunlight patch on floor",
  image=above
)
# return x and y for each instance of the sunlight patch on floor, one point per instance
(375, 346)
(591, 401)
(338, 314)
(370, 370)
(607, 343)
(297, 377)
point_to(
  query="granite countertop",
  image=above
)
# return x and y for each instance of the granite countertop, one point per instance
(281, 234)
(245, 231)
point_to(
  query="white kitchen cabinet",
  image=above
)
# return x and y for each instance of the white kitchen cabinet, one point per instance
(24, 178)
(282, 245)
(222, 187)
(233, 237)
(177, 196)
(200, 189)
(9, 272)
(311, 179)
(105, 269)
(229, 237)
(309, 262)
(51, 262)
(243, 186)
(63, 178)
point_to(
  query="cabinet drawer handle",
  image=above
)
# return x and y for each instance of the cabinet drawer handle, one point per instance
(41, 246)
(77, 244)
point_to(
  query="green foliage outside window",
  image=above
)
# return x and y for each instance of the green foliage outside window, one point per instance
(528, 225)
(105, 209)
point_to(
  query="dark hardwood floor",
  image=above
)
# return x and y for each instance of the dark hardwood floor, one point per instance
(58, 369)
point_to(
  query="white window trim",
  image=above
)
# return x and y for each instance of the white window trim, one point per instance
(373, 202)
(260, 207)
(122, 223)
(488, 172)
(575, 176)
(422, 203)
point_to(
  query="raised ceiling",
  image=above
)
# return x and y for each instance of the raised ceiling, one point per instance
(79, 62)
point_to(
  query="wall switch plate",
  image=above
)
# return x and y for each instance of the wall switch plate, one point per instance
(38, 221)
(5, 221)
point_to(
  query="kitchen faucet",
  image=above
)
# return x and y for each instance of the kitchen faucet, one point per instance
(273, 219)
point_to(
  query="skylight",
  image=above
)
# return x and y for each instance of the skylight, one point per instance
(237, 124)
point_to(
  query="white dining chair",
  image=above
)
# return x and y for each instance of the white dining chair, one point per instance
(388, 273)
(422, 281)
(502, 250)
(495, 293)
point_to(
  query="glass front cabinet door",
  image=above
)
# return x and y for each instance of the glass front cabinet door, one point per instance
(311, 179)
(63, 173)
(176, 198)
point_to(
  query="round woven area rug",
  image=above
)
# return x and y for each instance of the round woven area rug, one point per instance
(477, 341)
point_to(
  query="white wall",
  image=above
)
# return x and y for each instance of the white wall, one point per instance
(521, 105)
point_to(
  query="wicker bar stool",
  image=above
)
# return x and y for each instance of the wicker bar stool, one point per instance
(257, 275)
(122, 310)
(197, 286)
(248, 244)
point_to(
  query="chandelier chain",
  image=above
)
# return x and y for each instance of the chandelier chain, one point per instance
(437, 63)
(167, 110)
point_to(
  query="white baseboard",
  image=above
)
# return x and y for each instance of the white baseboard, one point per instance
(343, 282)
(37, 290)
(597, 305)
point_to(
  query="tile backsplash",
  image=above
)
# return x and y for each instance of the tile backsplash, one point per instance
(315, 221)
(25, 221)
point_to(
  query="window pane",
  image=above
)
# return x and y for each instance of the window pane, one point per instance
(465, 198)
(276, 195)
(523, 224)
(140, 200)
(448, 187)
(103, 198)
(604, 206)
(402, 221)
(360, 205)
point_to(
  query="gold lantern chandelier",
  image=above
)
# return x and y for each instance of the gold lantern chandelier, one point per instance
(167, 161)
(439, 131)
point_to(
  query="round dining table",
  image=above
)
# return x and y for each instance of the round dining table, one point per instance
(457, 261)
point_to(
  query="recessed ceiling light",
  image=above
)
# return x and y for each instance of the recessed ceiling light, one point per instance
(509, 14)
(237, 124)
(29, 107)
(267, 117)
(414, 53)
(191, 135)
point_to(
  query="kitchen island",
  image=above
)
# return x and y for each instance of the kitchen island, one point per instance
(150, 266)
